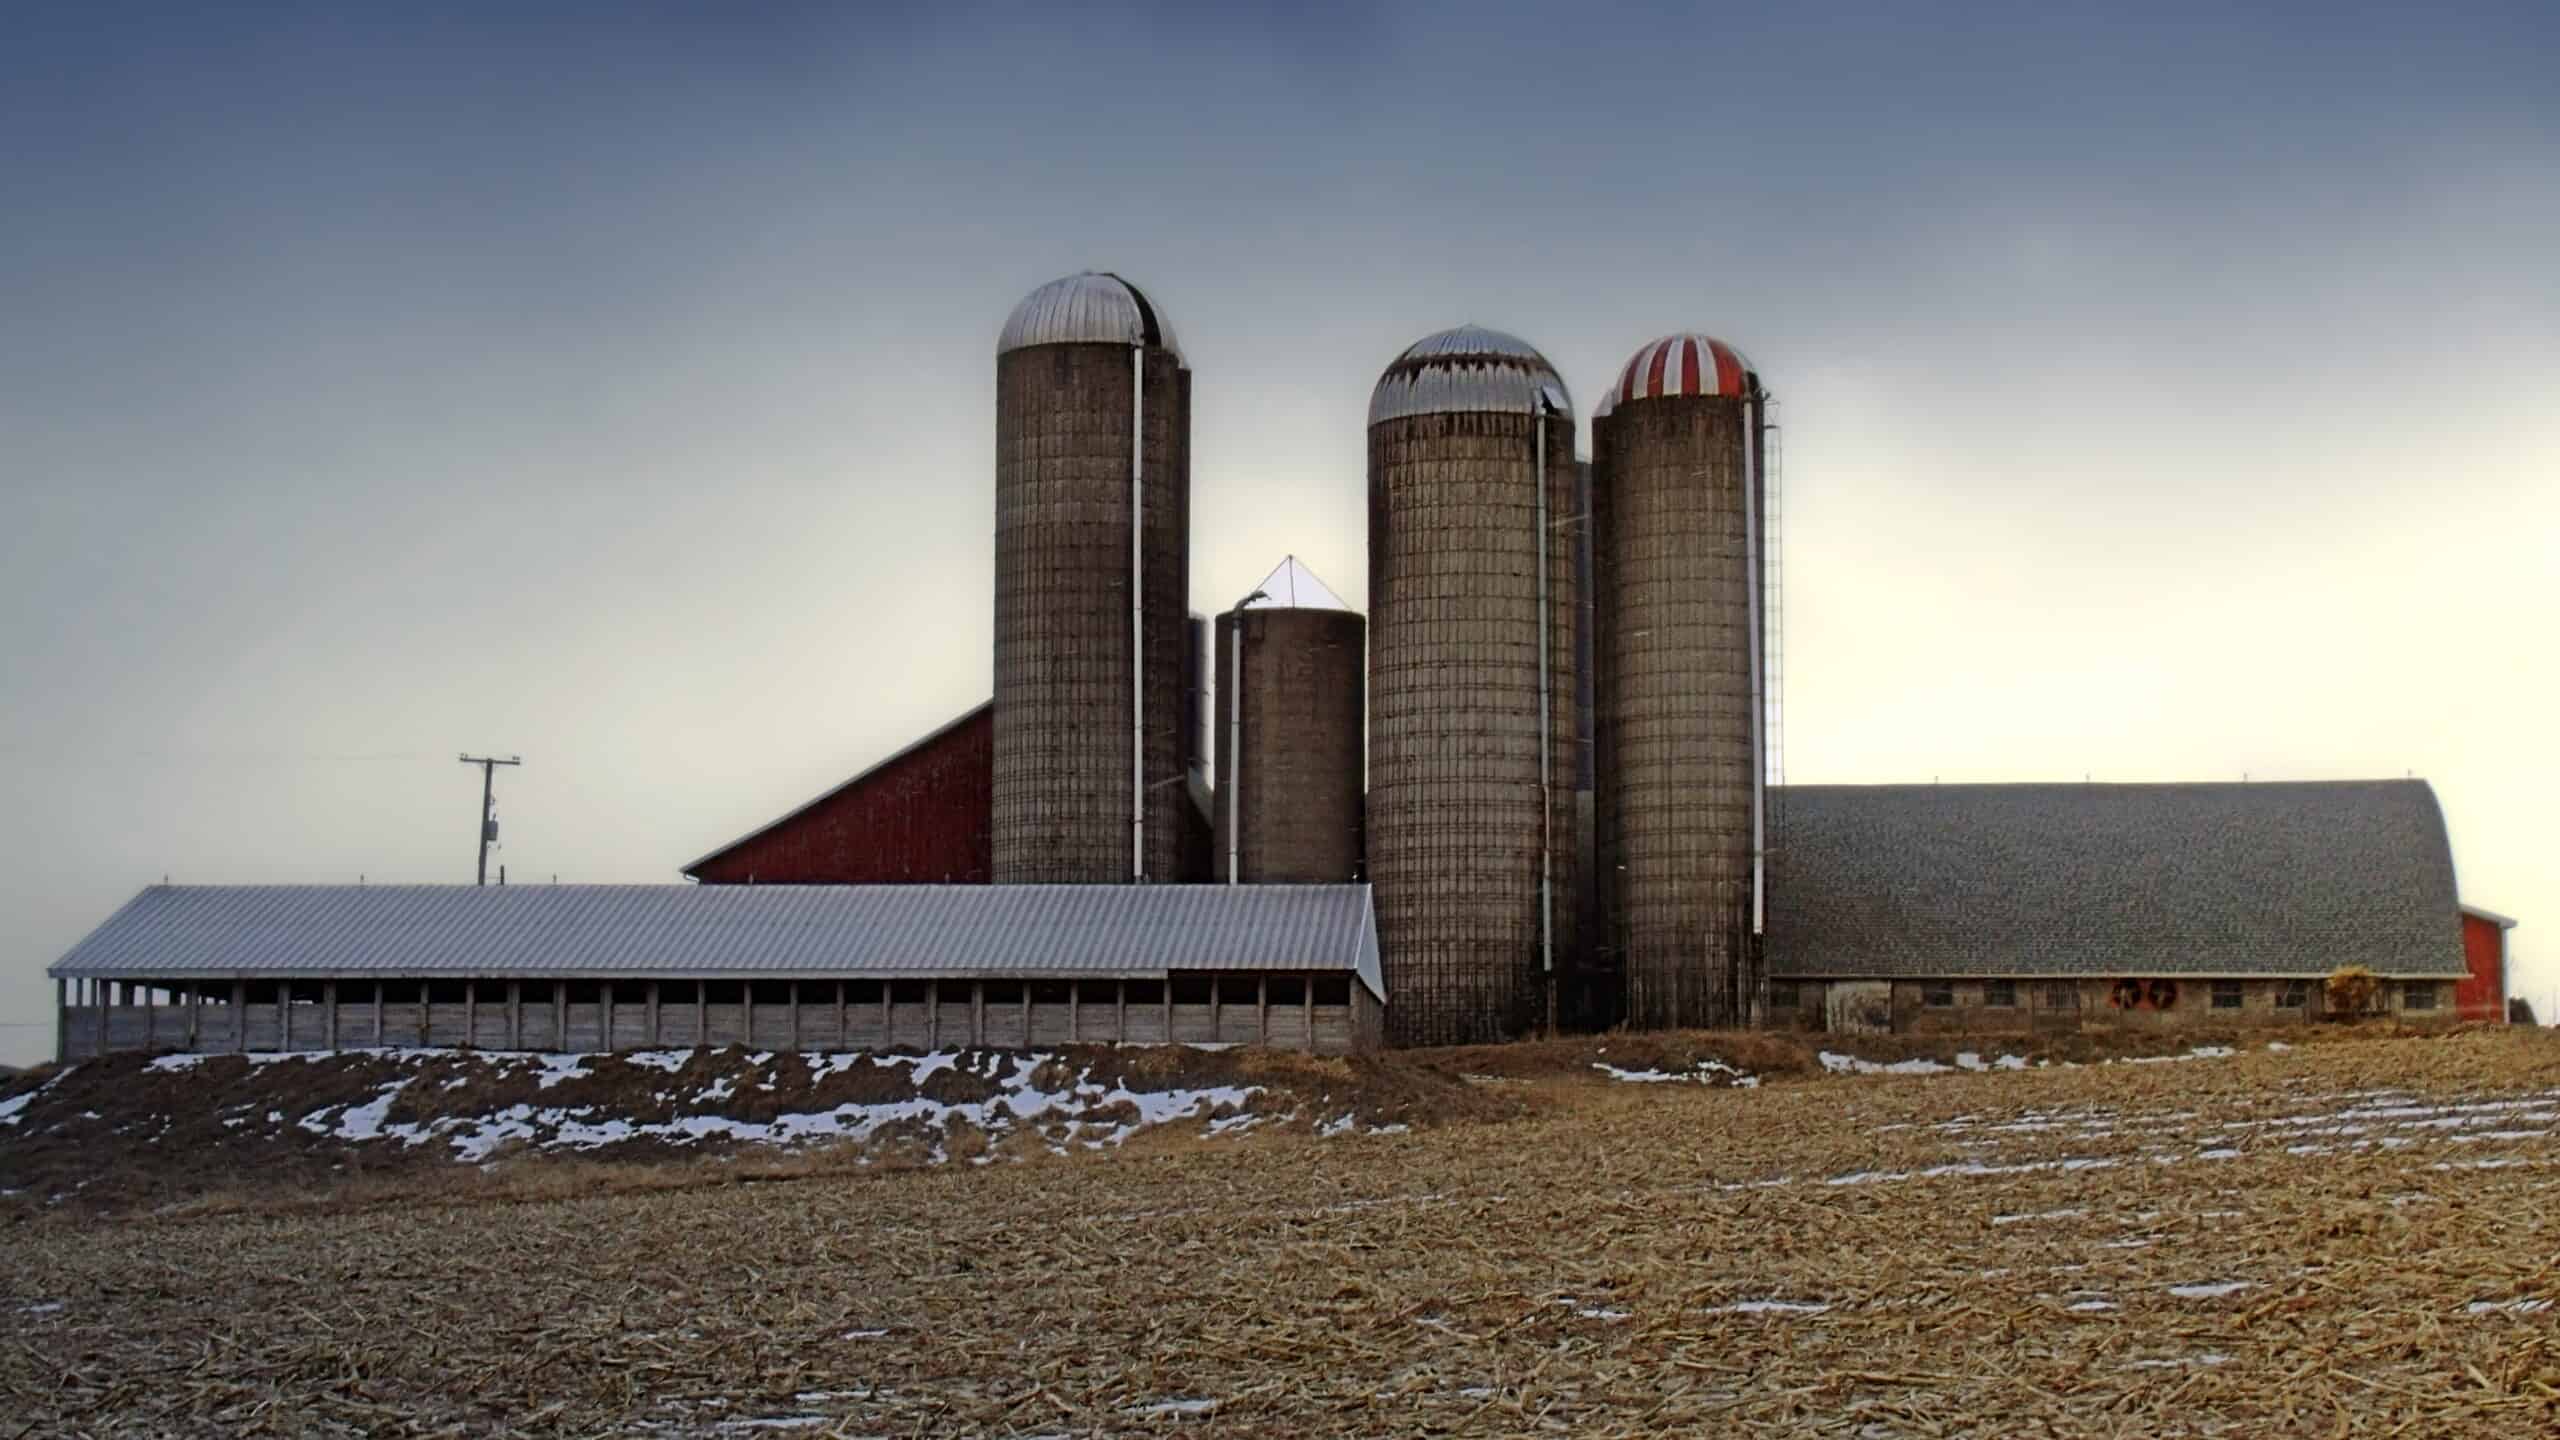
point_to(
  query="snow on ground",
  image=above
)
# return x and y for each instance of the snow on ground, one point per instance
(1066, 1103)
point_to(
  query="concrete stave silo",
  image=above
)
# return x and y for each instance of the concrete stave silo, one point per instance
(1091, 601)
(1471, 685)
(1675, 510)
(1292, 684)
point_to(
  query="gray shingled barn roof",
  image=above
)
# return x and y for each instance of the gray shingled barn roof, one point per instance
(1913, 881)
(172, 932)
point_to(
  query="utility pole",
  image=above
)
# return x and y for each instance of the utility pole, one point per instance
(488, 804)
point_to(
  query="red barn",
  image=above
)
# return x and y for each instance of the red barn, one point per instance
(916, 818)
(2482, 995)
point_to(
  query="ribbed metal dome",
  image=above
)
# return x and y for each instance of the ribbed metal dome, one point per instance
(1466, 369)
(1093, 307)
(1687, 363)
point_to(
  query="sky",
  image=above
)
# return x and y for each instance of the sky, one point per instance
(2166, 392)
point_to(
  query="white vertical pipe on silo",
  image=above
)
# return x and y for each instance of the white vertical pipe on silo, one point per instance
(1546, 722)
(1751, 469)
(1234, 778)
(1137, 611)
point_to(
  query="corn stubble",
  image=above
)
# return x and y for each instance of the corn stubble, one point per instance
(2340, 1239)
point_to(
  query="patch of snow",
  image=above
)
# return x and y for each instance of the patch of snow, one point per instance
(1185, 1406)
(670, 1061)
(2518, 1307)
(777, 1422)
(863, 1335)
(2090, 1307)
(43, 1307)
(2279, 1047)
(556, 1068)
(2214, 1290)
(1852, 1065)
(10, 1108)
(1702, 1071)
(1771, 1307)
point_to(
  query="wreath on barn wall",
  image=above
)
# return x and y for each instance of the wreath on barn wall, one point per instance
(2163, 994)
(2127, 995)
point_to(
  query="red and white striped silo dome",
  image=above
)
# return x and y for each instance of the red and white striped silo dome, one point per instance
(1683, 364)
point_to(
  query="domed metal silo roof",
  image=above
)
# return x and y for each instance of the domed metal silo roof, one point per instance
(1684, 364)
(1468, 368)
(1093, 307)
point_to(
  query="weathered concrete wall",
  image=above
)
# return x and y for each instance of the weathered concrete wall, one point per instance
(2044, 1006)
(1235, 1009)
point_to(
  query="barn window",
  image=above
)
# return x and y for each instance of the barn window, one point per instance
(1193, 988)
(1052, 992)
(1333, 989)
(1146, 992)
(2418, 995)
(2295, 995)
(2000, 994)
(1286, 990)
(908, 992)
(2062, 996)
(1938, 994)
(1782, 994)
(2226, 994)
(862, 992)
(1001, 992)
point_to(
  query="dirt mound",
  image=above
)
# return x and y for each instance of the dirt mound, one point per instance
(137, 1130)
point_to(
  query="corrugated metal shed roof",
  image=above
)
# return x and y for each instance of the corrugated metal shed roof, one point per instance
(1095, 307)
(1914, 881)
(776, 931)
(1469, 368)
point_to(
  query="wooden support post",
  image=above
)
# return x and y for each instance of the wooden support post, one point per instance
(701, 1014)
(1217, 1006)
(195, 1016)
(515, 1014)
(426, 1010)
(655, 1037)
(1026, 1014)
(1307, 1009)
(329, 1021)
(793, 994)
(978, 1013)
(604, 1015)
(62, 1020)
(470, 1014)
(888, 991)
(1075, 997)
(1119, 1012)
(933, 1014)
(1262, 1008)
(559, 1014)
(240, 1015)
(1165, 996)
(377, 1014)
(747, 1013)
(841, 1042)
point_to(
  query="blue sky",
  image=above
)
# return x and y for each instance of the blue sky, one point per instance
(2166, 391)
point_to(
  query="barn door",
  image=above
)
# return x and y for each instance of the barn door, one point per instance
(1858, 1008)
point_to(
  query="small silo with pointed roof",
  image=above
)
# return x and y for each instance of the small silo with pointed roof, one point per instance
(1472, 599)
(1290, 698)
(1093, 521)
(1676, 513)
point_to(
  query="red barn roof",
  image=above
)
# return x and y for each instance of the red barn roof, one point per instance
(919, 817)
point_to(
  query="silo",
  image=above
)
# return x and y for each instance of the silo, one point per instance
(1291, 690)
(1093, 518)
(1471, 684)
(1675, 517)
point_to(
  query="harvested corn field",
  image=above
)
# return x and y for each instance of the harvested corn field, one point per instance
(2336, 1238)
